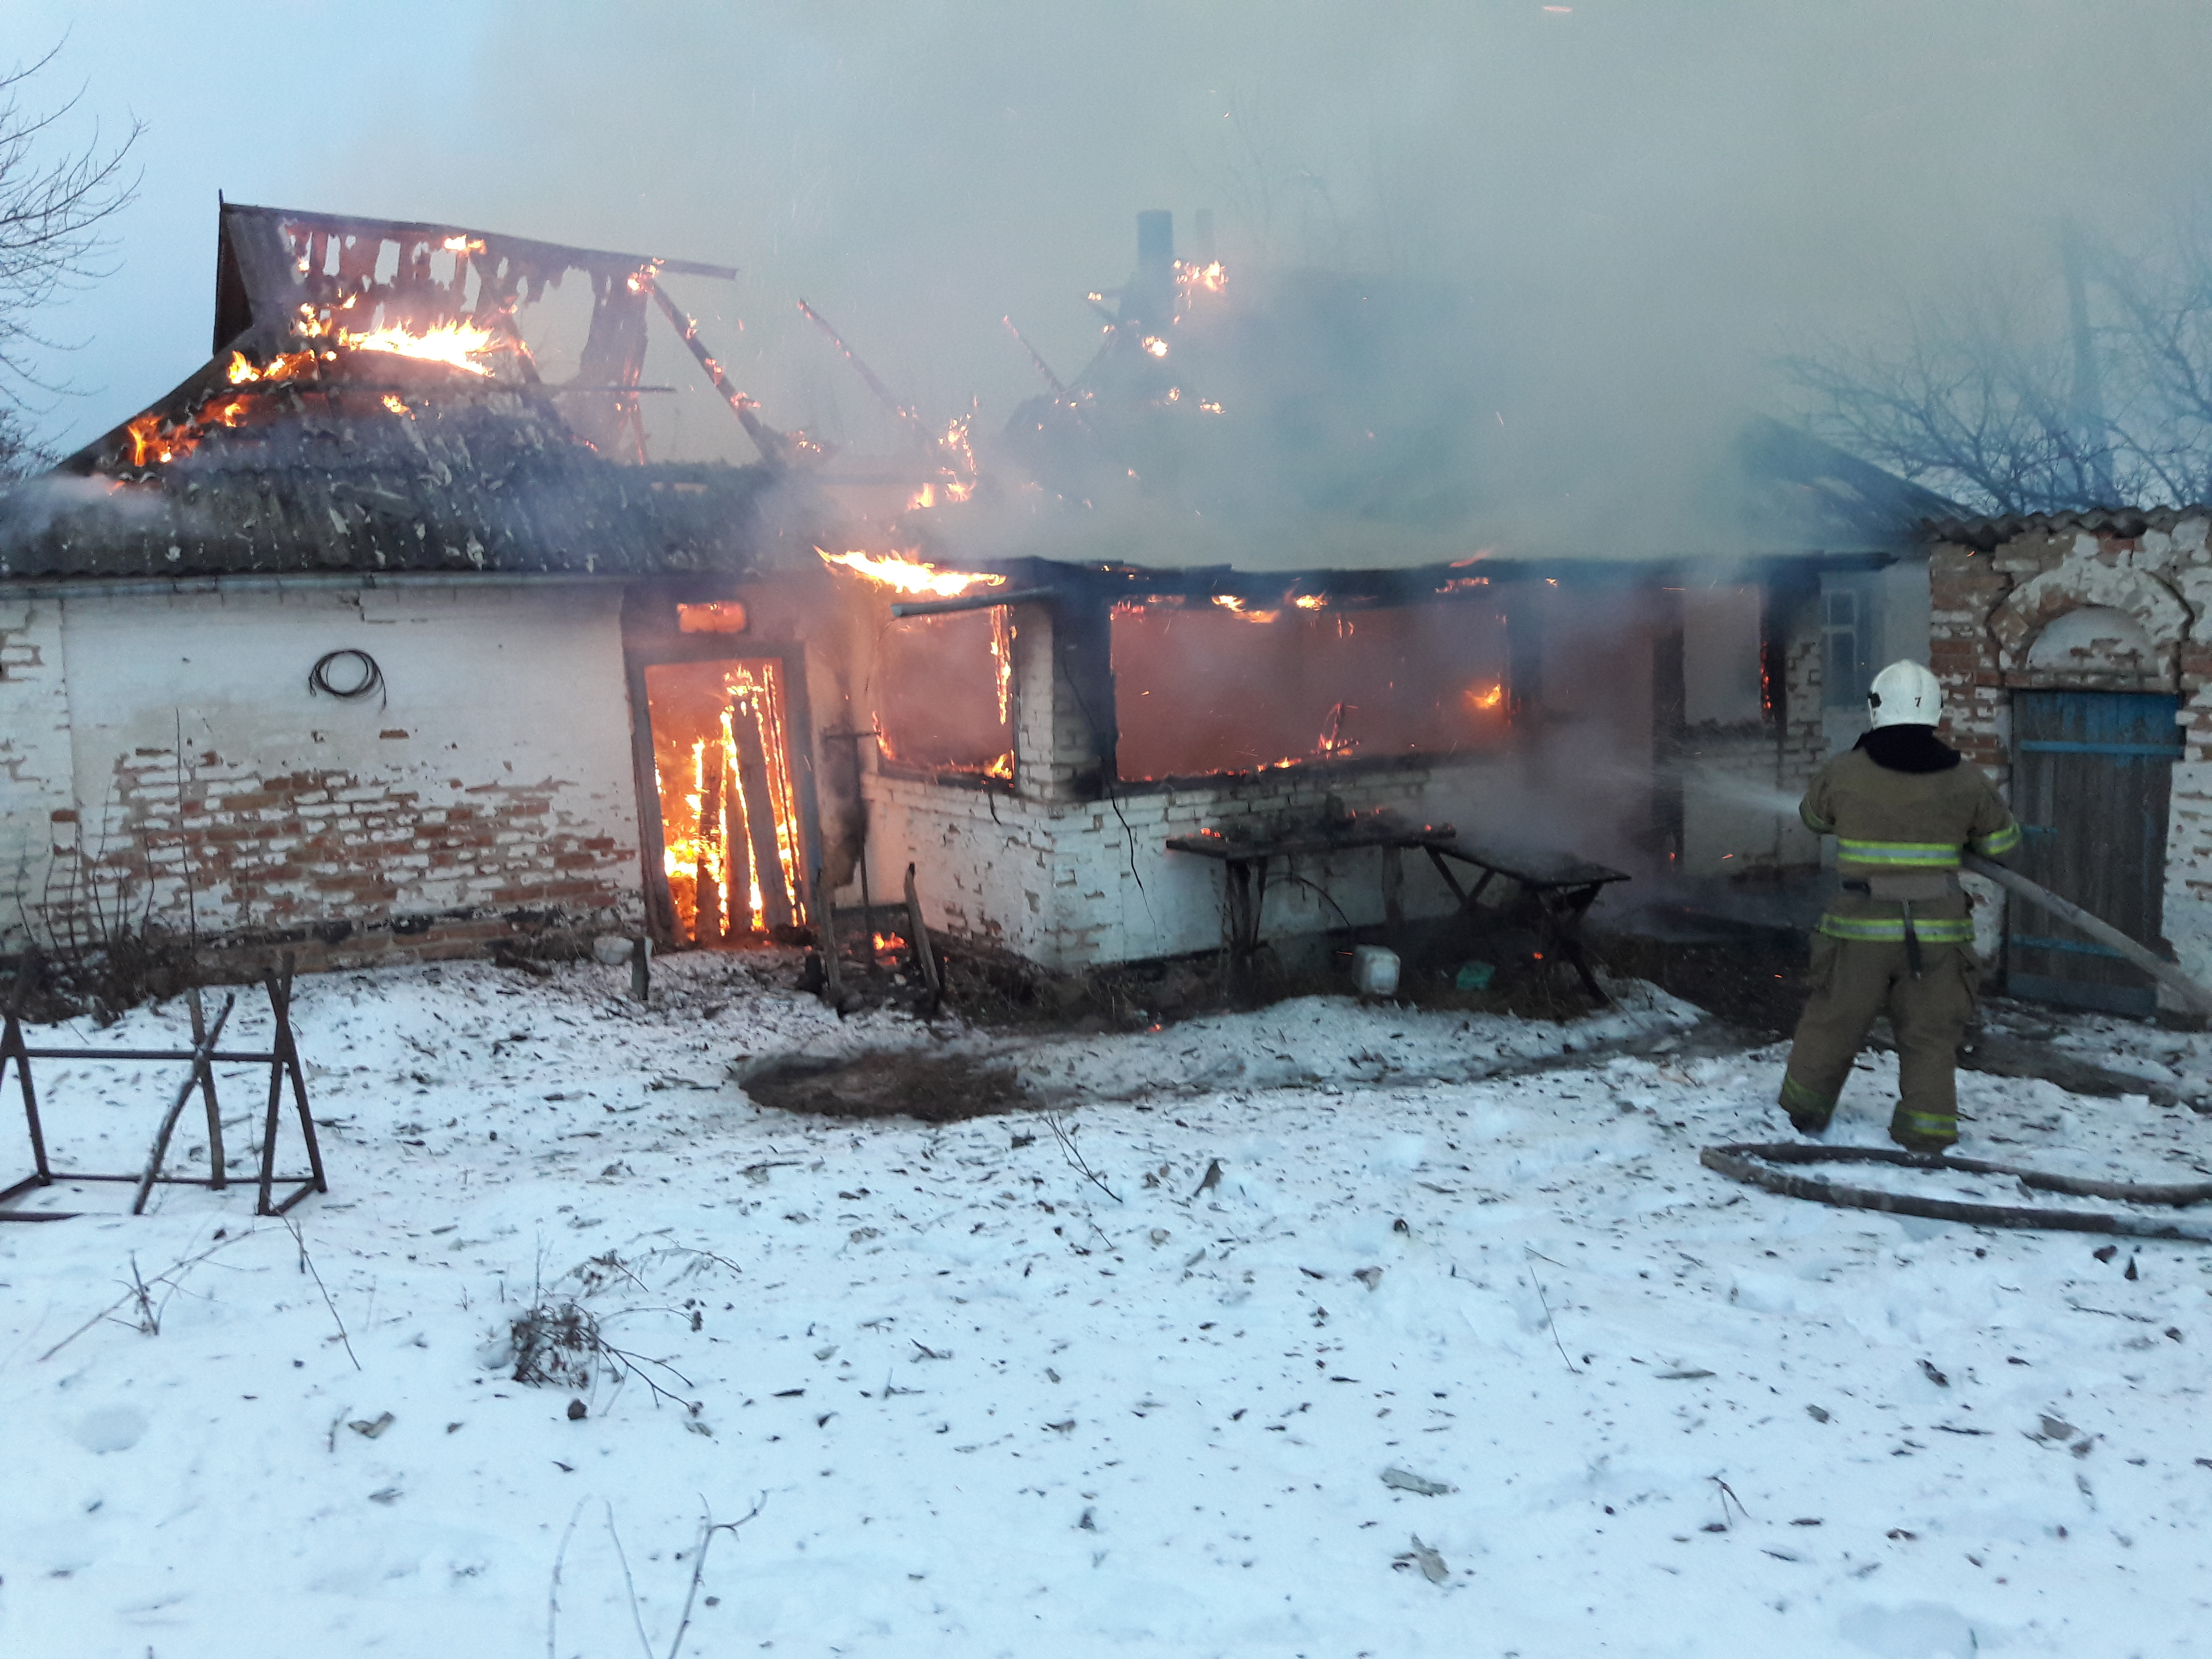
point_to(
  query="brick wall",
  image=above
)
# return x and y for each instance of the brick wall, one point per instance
(1989, 606)
(37, 803)
(1071, 884)
(487, 790)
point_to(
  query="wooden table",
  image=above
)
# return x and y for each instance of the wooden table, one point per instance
(1562, 886)
(1244, 864)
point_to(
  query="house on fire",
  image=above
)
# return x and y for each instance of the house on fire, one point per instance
(381, 632)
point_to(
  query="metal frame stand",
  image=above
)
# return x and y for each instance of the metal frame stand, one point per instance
(281, 1058)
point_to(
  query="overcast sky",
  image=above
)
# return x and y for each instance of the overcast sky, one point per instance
(1648, 198)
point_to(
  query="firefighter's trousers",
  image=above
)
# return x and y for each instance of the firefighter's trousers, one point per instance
(1852, 981)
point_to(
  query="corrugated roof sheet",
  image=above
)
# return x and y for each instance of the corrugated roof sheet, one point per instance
(336, 482)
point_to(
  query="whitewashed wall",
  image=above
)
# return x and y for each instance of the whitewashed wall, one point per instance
(492, 775)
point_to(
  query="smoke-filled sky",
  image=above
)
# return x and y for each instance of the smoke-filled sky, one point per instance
(1642, 200)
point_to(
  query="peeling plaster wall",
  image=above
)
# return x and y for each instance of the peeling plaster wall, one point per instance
(1989, 608)
(1075, 885)
(36, 798)
(489, 786)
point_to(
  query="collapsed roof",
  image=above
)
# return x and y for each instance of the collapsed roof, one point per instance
(375, 406)
(1308, 419)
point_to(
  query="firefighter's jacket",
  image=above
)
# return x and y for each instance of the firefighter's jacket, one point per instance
(1902, 806)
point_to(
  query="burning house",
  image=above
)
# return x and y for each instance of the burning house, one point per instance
(1225, 587)
(379, 633)
(382, 633)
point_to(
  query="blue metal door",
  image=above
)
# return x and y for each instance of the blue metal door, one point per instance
(2091, 774)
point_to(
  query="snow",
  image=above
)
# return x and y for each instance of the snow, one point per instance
(987, 1409)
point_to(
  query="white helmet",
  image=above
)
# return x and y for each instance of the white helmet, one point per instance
(1906, 694)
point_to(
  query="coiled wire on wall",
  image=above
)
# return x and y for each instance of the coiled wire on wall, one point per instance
(370, 680)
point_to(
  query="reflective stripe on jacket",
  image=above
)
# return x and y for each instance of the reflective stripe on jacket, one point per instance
(1891, 823)
(1930, 930)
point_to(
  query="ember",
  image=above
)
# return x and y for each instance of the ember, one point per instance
(1192, 280)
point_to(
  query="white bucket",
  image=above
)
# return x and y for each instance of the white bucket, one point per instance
(1374, 970)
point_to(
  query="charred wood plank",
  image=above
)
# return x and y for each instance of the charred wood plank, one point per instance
(760, 819)
(706, 915)
(924, 957)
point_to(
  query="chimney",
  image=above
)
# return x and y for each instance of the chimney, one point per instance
(1149, 299)
(1155, 238)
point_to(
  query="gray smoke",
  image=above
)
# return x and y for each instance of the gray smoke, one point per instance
(1637, 203)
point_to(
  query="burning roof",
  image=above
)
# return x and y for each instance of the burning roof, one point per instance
(1275, 421)
(373, 404)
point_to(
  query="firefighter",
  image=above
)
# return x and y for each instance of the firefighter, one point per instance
(1902, 805)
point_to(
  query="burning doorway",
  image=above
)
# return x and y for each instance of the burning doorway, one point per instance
(732, 848)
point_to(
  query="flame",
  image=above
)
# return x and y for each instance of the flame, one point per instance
(1235, 607)
(700, 851)
(463, 245)
(1487, 694)
(156, 438)
(1210, 409)
(455, 344)
(1156, 345)
(1462, 584)
(907, 575)
(1311, 601)
(1193, 280)
(289, 366)
(1002, 768)
(1332, 743)
(1002, 662)
(956, 472)
(392, 402)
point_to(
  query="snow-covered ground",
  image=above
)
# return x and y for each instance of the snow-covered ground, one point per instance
(987, 1407)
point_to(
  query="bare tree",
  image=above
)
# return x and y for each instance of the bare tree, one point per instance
(55, 208)
(2021, 398)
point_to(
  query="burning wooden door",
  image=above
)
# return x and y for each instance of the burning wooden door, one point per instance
(2091, 774)
(730, 818)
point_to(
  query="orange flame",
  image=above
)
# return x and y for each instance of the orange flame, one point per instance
(156, 438)
(907, 575)
(457, 345)
(1235, 607)
(1485, 694)
(698, 846)
(1195, 279)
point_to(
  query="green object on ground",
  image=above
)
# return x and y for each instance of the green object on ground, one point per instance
(1474, 975)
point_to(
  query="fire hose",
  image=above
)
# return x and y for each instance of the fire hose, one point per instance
(1752, 1164)
(2099, 929)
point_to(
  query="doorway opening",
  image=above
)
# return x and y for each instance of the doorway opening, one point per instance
(732, 848)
